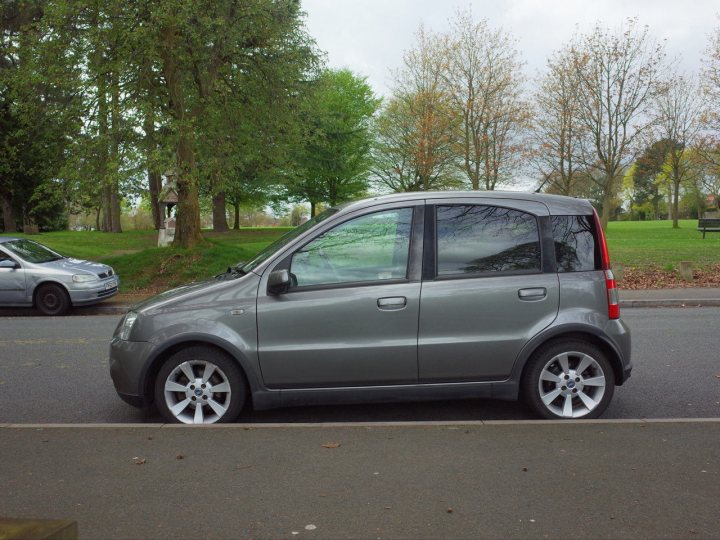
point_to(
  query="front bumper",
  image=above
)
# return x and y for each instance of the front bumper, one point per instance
(82, 294)
(129, 363)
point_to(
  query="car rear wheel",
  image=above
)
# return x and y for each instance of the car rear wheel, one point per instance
(200, 385)
(52, 299)
(569, 379)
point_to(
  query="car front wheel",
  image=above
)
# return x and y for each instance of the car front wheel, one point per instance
(569, 379)
(52, 299)
(200, 385)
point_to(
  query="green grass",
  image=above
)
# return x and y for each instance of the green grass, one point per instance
(640, 244)
(144, 268)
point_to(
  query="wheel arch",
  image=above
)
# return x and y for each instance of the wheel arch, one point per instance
(169, 348)
(578, 332)
(38, 285)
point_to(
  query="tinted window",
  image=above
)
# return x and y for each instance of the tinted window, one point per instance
(373, 247)
(575, 246)
(477, 238)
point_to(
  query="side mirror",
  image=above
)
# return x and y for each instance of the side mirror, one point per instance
(279, 282)
(9, 263)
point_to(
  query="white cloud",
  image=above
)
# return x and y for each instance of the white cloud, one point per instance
(369, 36)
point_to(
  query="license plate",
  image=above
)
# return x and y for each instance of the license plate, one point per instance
(110, 284)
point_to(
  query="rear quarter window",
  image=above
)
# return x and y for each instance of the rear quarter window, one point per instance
(576, 245)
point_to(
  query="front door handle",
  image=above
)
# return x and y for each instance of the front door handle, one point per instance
(392, 303)
(535, 293)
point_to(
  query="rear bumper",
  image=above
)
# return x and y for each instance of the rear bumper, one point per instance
(619, 333)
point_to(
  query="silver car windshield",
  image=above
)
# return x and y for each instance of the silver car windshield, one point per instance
(31, 252)
(286, 239)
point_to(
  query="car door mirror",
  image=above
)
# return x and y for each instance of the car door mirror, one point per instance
(279, 282)
(8, 263)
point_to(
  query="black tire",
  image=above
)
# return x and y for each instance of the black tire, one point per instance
(558, 383)
(52, 299)
(226, 373)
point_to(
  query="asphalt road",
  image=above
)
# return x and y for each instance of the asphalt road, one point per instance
(55, 370)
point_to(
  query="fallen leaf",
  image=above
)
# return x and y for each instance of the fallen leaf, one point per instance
(179, 456)
(449, 510)
(524, 469)
(138, 460)
(331, 445)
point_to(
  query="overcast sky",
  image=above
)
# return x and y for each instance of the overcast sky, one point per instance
(369, 36)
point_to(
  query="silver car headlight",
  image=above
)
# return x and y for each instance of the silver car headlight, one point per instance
(82, 278)
(126, 325)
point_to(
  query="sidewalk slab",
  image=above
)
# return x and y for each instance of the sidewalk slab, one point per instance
(530, 480)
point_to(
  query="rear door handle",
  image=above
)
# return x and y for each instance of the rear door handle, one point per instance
(535, 293)
(392, 303)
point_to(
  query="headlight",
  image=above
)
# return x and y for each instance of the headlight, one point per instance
(126, 325)
(81, 278)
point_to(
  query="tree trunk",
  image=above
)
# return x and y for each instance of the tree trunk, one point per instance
(187, 227)
(29, 226)
(9, 224)
(154, 176)
(607, 201)
(312, 209)
(103, 157)
(236, 208)
(219, 210)
(114, 199)
(676, 204)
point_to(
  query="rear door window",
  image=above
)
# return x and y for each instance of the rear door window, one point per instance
(576, 249)
(481, 239)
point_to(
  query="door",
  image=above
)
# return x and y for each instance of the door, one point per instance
(486, 294)
(351, 316)
(12, 281)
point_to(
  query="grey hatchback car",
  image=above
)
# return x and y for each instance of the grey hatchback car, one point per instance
(396, 298)
(32, 274)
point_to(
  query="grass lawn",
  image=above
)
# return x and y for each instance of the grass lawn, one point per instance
(144, 268)
(646, 245)
(638, 244)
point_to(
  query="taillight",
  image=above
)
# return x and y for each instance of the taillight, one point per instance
(610, 283)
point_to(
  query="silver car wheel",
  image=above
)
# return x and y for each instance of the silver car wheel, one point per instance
(197, 392)
(572, 384)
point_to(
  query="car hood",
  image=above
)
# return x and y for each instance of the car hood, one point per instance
(76, 266)
(188, 292)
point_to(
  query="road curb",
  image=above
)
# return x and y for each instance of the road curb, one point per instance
(419, 424)
(708, 302)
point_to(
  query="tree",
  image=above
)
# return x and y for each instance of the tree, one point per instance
(645, 174)
(333, 159)
(36, 118)
(678, 121)
(619, 73)
(557, 131)
(418, 127)
(206, 51)
(413, 148)
(483, 77)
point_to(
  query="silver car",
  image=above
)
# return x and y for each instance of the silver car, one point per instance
(34, 275)
(403, 297)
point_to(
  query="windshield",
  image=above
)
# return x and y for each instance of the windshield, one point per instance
(286, 239)
(32, 252)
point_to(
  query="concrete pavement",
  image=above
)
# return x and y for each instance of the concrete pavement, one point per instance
(592, 479)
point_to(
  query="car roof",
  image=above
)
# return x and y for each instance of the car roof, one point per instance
(556, 204)
(4, 239)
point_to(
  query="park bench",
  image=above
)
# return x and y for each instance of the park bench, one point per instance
(708, 225)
